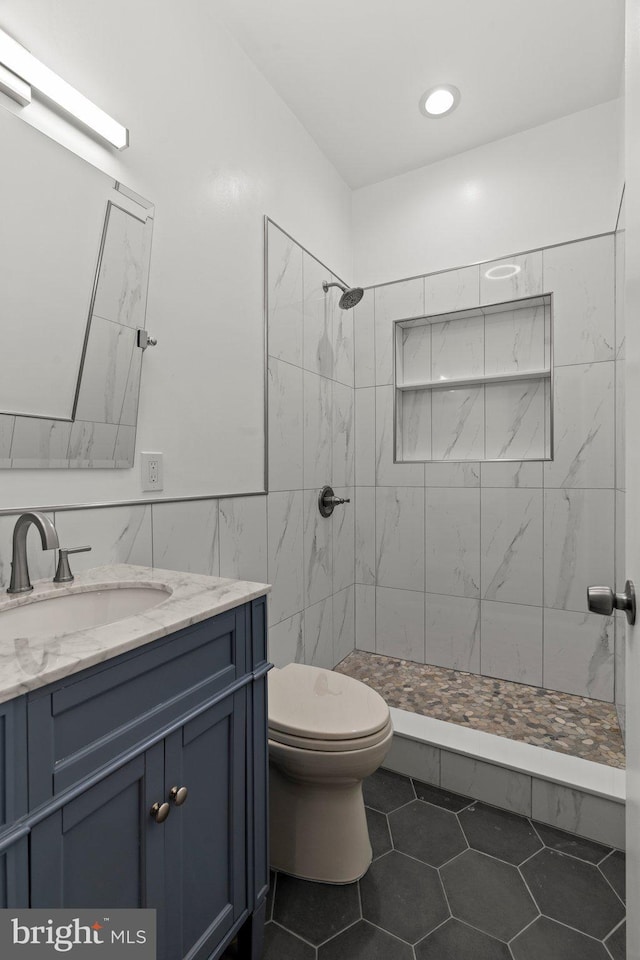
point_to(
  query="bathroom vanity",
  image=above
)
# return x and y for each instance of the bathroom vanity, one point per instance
(133, 758)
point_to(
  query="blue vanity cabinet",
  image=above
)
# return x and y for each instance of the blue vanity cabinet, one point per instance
(13, 803)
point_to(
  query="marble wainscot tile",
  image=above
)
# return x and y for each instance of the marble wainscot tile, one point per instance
(457, 348)
(414, 425)
(185, 536)
(285, 426)
(285, 297)
(92, 444)
(452, 629)
(578, 654)
(400, 623)
(40, 443)
(413, 355)
(286, 641)
(515, 340)
(104, 374)
(578, 545)
(457, 431)
(318, 439)
(344, 624)
(452, 290)
(129, 412)
(365, 535)
(511, 545)
(243, 538)
(453, 541)
(389, 473)
(581, 278)
(124, 453)
(511, 278)
(116, 535)
(319, 311)
(365, 611)
(318, 551)
(343, 344)
(488, 782)
(412, 758)
(598, 818)
(518, 474)
(365, 436)
(122, 281)
(42, 563)
(7, 424)
(394, 301)
(511, 642)
(285, 554)
(583, 428)
(452, 474)
(343, 436)
(515, 420)
(400, 537)
(343, 523)
(318, 634)
(364, 339)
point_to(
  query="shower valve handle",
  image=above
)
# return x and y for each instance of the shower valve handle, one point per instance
(604, 601)
(328, 500)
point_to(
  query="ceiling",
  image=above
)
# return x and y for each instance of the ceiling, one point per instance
(353, 70)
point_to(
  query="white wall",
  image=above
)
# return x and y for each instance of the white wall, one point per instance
(215, 148)
(551, 184)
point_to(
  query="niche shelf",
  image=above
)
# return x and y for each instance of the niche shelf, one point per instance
(475, 384)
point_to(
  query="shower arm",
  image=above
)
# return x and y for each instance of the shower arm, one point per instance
(325, 286)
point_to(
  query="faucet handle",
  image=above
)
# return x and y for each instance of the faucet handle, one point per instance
(63, 573)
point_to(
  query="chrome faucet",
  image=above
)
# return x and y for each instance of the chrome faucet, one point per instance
(20, 582)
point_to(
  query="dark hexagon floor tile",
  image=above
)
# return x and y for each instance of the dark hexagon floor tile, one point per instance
(569, 843)
(315, 911)
(403, 896)
(488, 894)
(364, 942)
(427, 833)
(573, 892)
(614, 870)
(550, 940)
(279, 944)
(617, 943)
(441, 798)
(386, 791)
(378, 832)
(456, 941)
(500, 833)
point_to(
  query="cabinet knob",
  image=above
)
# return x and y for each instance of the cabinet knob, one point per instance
(178, 795)
(160, 811)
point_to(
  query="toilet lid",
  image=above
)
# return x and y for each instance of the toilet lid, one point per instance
(323, 705)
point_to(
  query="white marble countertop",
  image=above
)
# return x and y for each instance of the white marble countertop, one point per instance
(29, 662)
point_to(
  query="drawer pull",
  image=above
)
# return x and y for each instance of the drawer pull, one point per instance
(160, 812)
(178, 795)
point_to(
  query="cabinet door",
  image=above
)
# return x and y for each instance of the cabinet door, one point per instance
(14, 884)
(205, 836)
(102, 849)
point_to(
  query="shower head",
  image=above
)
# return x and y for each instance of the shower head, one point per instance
(350, 295)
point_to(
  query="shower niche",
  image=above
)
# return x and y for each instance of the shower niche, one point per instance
(476, 384)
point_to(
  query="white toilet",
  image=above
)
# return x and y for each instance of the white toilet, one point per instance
(327, 732)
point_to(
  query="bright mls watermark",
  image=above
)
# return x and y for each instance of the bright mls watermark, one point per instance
(78, 934)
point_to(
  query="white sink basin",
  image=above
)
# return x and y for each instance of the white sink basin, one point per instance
(53, 616)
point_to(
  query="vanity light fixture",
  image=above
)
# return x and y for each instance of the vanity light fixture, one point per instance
(503, 271)
(20, 71)
(439, 101)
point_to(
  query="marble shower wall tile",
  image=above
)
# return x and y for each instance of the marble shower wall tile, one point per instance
(343, 524)
(511, 545)
(116, 535)
(511, 642)
(365, 535)
(515, 420)
(42, 563)
(453, 541)
(343, 345)
(620, 404)
(414, 426)
(185, 536)
(365, 611)
(583, 427)
(285, 297)
(581, 278)
(504, 284)
(365, 436)
(364, 340)
(121, 288)
(579, 653)
(7, 423)
(578, 545)
(318, 436)
(400, 537)
(318, 551)
(515, 340)
(452, 290)
(414, 353)
(319, 310)
(124, 453)
(457, 348)
(243, 538)
(286, 641)
(285, 569)
(457, 426)
(92, 444)
(400, 623)
(285, 426)
(518, 474)
(619, 247)
(344, 624)
(452, 474)
(452, 630)
(104, 375)
(343, 435)
(389, 473)
(40, 443)
(393, 301)
(318, 634)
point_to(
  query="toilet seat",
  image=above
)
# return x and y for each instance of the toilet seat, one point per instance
(333, 746)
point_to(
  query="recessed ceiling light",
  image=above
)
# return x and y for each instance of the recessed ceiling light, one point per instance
(439, 101)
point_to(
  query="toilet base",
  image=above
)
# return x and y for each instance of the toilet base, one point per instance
(318, 832)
